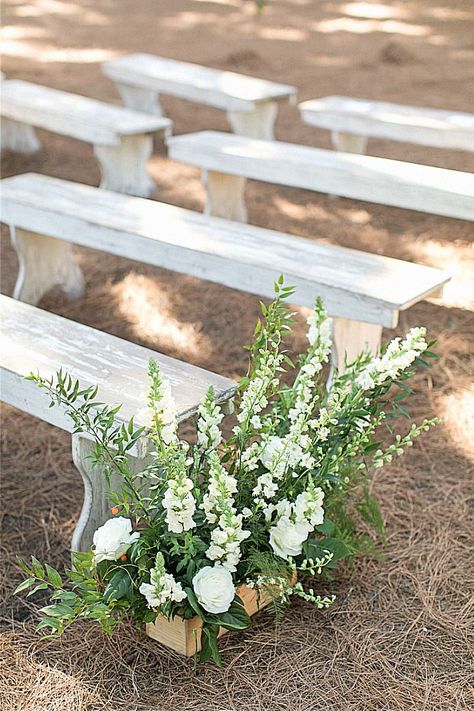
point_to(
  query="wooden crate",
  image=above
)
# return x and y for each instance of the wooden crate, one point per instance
(178, 634)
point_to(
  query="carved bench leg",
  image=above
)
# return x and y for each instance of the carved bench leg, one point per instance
(225, 196)
(124, 167)
(255, 124)
(350, 338)
(349, 142)
(44, 262)
(139, 98)
(97, 504)
(19, 137)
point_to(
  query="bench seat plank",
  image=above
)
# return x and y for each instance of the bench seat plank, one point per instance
(34, 340)
(379, 180)
(122, 139)
(251, 104)
(74, 115)
(354, 284)
(224, 90)
(362, 117)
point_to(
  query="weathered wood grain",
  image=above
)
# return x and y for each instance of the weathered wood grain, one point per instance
(184, 636)
(389, 182)
(32, 340)
(379, 119)
(214, 87)
(355, 285)
(250, 103)
(122, 138)
(73, 115)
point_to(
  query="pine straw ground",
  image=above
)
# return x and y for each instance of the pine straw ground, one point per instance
(398, 636)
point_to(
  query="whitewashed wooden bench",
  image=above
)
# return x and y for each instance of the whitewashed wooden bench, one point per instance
(251, 103)
(229, 159)
(34, 340)
(353, 121)
(363, 292)
(122, 138)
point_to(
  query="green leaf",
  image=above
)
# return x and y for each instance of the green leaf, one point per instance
(192, 599)
(53, 577)
(327, 527)
(38, 568)
(49, 622)
(337, 547)
(57, 610)
(25, 568)
(209, 648)
(236, 617)
(119, 586)
(24, 585)
(317, 548)
(41, 586)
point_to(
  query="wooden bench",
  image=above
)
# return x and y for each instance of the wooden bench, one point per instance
(353, 121)
(363, 292)
(34, 340)
(251, 103)
(229, 159)
(122, 139)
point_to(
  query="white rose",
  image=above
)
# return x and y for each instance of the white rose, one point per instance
(287, 538)
(113, 539)
(214, 588)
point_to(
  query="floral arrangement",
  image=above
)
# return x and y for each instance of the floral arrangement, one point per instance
(285, 497)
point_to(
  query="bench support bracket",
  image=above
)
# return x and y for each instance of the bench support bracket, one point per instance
(352, 337)
(44, 262)
(258, 123)
(124, 167)
(349, 142)
(139, 98)
(19, 137)
(225, 195)
(97, 505)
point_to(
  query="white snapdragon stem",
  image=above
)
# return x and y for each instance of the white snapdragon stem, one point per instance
(210, 416)
(319, 338)
(162, 587)
(219, 507)
(278, 454)
(178, 500)
(254, 399)
(398, 356)
(160, 415)
(295, 521)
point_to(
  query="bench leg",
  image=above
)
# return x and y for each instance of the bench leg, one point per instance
(350, 338)
(139, 98)
(225, 196)
(19, 137)
(96, 507)
(255, 124)
(44, 262)
(124, 167)
(349, 142)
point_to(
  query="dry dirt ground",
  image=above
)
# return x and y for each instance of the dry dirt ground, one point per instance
(398, 637)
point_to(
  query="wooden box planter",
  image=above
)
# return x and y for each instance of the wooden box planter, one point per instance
(178, 634)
